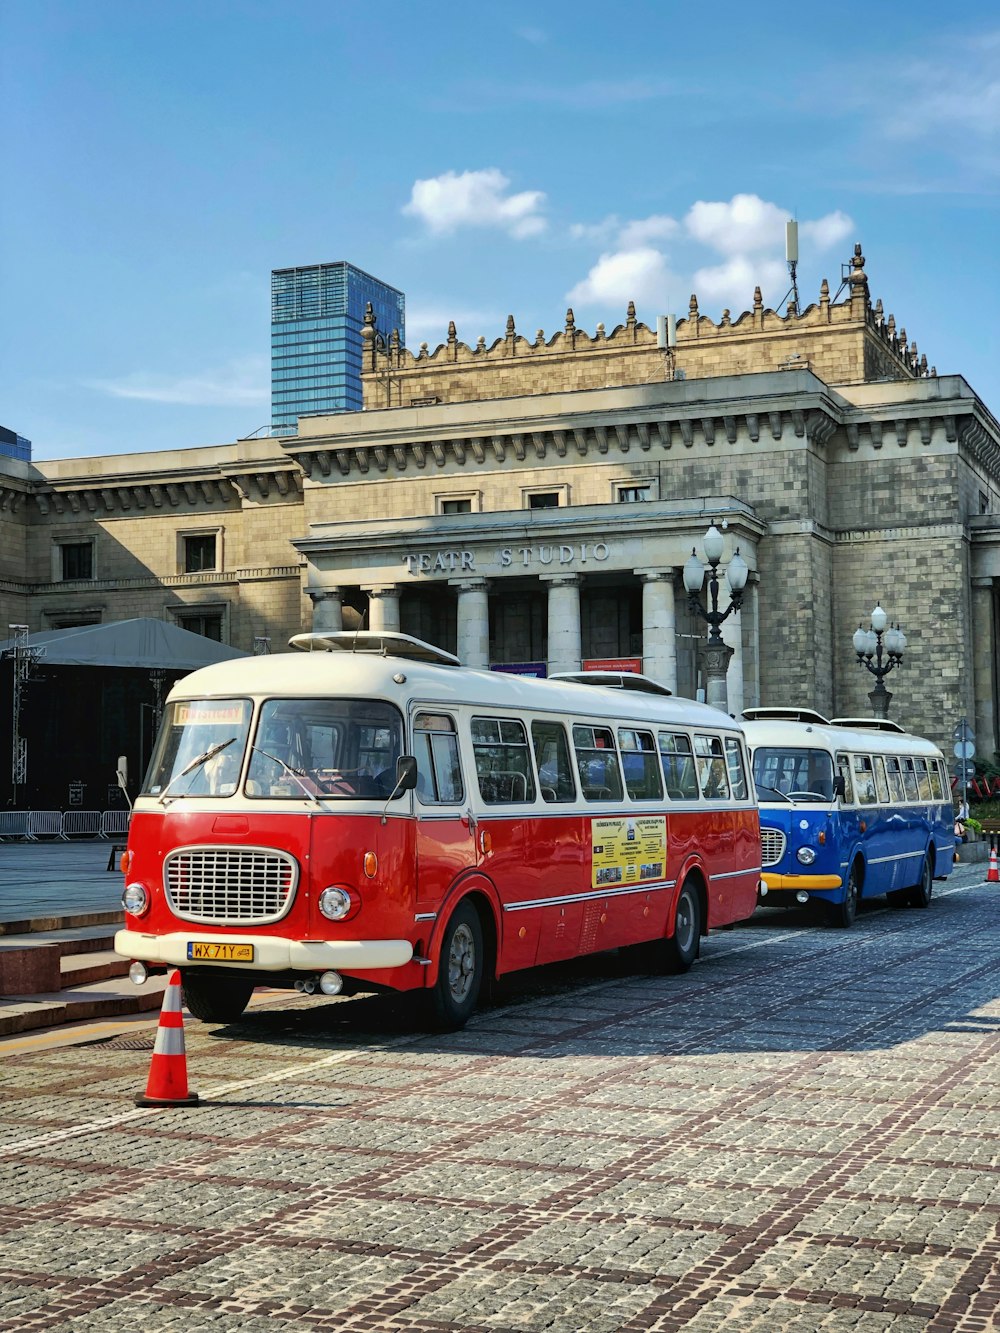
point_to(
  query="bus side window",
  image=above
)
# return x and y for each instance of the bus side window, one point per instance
(937, 790)
(881, 783)
(555, 771)
(923, 781)
(503, 768)
(864, 780)
(439, 772)
(910, 781)
(711, 768)
(597, 763)
(737, 772)
(678, 766)
(640, 765)
(895, 780)
(844, 769)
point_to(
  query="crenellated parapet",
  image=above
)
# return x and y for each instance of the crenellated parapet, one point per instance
(848, 341)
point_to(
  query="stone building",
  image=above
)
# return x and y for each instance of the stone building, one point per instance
(530, 504)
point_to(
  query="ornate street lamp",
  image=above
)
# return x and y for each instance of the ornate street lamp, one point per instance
(716, 652)
(868, 644)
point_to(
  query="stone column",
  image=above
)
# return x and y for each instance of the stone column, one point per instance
(984, 653)
(659, 626)
(732, 634)
(383, 607)
(473, 621)
(564, 647)
(328, 609)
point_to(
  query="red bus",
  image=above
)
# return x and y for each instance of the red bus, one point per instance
(370, 814)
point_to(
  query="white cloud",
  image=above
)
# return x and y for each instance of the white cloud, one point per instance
(657, 227)
(732, 283)
(475, 199)
(243, 383)
(827, 231)
(620, 276)
(745, 223)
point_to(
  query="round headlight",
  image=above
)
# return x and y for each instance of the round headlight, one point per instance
(335, 903)
(135, 899)
(806, 855)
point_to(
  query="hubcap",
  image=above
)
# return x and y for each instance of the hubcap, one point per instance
(461, 963)
(684, 930)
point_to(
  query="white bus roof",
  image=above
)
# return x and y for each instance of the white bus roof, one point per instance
(832, 736)
(381, 675)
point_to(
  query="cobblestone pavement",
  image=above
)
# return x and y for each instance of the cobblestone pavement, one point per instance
(800, 1134)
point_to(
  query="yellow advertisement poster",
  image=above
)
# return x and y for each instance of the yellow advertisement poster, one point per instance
(628, 850)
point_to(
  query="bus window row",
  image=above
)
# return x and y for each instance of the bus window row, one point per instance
(878, 779)
(519, 764)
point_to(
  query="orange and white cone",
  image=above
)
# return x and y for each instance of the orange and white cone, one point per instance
(993, 874)
(168, 1080)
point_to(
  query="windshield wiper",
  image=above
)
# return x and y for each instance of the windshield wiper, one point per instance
(197, 762)
(763, 787)
(292, 772)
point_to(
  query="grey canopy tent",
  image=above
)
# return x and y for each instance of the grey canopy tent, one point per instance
(144, 642)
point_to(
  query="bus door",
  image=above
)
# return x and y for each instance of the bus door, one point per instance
(848, 818)
(445, 825)
(875, 826)
(559, 841)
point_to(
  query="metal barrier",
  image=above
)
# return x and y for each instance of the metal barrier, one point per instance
(14, 823)
(81, 824)
(45, 824)
(114, 823)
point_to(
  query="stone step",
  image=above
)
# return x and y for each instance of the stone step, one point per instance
(76, 1004)
(80, 969)
(31, 963)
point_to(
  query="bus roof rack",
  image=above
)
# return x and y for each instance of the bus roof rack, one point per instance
(784, 715)
(382, 643)
(868, 724)
(615, 680)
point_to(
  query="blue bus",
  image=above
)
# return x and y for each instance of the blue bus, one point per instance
(849, 809)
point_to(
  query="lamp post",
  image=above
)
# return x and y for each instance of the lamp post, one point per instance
(716, 652)
(868, 644)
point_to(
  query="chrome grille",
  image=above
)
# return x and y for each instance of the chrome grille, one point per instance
(772, 846)
(230, 885)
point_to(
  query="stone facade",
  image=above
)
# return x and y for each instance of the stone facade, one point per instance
(534, 502)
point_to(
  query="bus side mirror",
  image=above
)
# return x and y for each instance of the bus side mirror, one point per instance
(406, 772)
(839, 786)
(122, 772)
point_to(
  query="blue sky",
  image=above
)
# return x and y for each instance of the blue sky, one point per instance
(159, 159)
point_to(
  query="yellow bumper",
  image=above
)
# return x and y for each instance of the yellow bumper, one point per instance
(800, 881)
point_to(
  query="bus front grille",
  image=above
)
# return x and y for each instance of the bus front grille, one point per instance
(230, 886)
(772, 846)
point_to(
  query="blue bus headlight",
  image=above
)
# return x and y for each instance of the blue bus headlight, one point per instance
(806, 855)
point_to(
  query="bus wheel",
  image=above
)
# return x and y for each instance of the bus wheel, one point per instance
(215, 999)
(460, 971)
(843, 914)
(920, 894)
(681, 949)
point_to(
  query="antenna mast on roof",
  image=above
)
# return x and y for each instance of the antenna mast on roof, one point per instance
(792, 260)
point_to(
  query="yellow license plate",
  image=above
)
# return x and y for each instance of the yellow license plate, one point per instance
(201, 951)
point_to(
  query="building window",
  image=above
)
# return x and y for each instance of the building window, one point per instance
(206, 623)
(634, 494)
(544, 497)
(76, 561)
(200, 553)
(543, 500)
(458, 502)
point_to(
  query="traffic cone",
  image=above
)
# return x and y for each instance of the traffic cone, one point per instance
(168, 1080)
(993, 874)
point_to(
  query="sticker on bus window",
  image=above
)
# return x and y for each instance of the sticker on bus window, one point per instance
(627, 850)
(199, 714)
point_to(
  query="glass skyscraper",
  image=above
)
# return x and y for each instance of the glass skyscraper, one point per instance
(14, 445)
(317, 311)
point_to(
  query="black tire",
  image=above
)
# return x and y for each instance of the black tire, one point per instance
(843, 914)
(920, 894)
(215, 999)
(898, 898)
(681, 949)
(455, 994)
